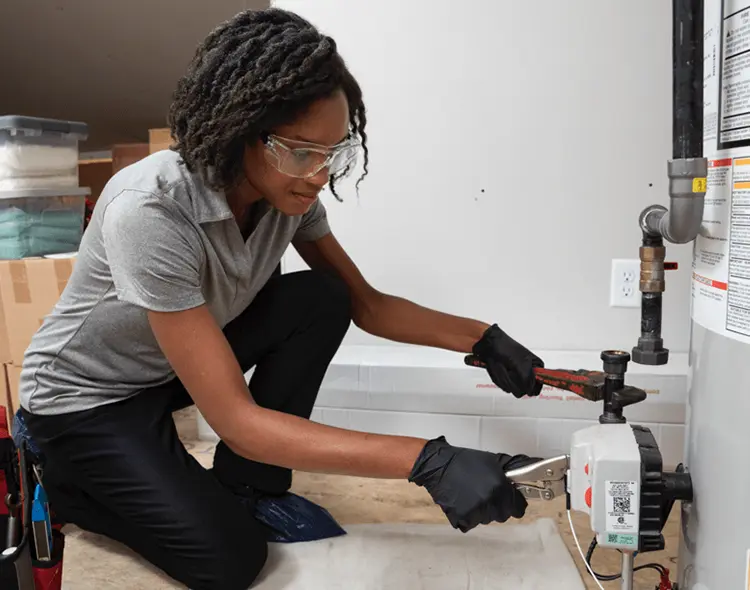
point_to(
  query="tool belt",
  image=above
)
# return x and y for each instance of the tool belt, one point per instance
(31, 546)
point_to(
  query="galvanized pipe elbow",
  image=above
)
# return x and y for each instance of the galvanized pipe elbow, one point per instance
(681, 223)
(678, 225)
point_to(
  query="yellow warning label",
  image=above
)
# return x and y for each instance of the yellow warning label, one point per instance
(699, 185)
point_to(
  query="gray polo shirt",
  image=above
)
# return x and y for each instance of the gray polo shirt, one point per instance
(159, 239)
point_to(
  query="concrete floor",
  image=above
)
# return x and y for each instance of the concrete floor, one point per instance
(94, 563)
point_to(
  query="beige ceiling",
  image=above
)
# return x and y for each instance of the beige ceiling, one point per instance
(112, 64)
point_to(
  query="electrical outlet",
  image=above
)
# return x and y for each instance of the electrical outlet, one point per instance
(624, 291)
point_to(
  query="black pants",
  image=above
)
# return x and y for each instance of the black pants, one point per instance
(121, 470)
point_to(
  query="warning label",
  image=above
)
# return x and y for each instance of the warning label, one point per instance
(710, 260)
(721, 261)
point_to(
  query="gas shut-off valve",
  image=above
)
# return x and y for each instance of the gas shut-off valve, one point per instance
(614, 472)
(616, 477)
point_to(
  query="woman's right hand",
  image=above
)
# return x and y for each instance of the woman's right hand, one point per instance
(470, 485)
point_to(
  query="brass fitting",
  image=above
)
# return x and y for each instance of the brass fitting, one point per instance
(652, 269)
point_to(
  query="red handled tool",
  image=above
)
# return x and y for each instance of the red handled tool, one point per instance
(588, 384)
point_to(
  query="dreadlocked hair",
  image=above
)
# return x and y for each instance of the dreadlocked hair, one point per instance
(257, 71)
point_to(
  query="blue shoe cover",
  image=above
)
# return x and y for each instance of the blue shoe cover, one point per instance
(293, 519)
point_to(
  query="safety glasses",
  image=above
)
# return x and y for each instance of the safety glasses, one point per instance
(304, 160)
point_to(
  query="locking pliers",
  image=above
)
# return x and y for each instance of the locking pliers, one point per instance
(543, 480)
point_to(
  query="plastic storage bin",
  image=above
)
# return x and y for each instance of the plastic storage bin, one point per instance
(39, 153)
(38, 222)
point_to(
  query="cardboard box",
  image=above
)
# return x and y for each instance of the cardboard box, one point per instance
(95, 174)
(125, 154)
(5, 397)
(29, 289)
(12, 378)
(4, 343)
(159, 139)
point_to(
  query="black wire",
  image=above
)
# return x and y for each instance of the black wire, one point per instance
(612, 577)
(600, 577)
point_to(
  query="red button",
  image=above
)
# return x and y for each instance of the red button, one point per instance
(586, 469)
(587, 497)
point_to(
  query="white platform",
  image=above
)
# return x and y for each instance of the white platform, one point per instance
(434, 557)
(427, 392)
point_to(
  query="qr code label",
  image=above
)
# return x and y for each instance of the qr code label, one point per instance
(621, 504)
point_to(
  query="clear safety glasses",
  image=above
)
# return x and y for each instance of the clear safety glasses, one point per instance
(304, 160)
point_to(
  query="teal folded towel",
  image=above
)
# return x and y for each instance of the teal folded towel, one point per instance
(11, 249)
(13, 222)
(52, 231)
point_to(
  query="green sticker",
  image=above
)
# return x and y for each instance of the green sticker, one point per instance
(625, 540)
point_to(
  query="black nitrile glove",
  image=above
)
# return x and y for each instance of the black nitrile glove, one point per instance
(470, 485)
(510, 365)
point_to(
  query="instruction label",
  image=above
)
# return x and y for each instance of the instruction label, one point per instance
(721, 253)
(621, 503)
(711, 52)
(734, 109)
(738, 301)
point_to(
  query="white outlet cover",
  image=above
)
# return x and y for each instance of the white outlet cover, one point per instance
(623, 289)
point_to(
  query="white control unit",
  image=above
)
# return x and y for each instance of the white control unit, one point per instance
(604, 481)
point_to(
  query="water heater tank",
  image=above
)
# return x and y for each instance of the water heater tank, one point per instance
(715, 540)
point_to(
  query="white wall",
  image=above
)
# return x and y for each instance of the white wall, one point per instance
(557, 111)
(495, 130)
